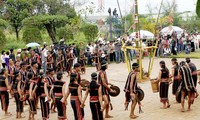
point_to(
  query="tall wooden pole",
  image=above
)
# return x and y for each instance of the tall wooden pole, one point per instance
(152, 61)
(138, 41)
(120, 12)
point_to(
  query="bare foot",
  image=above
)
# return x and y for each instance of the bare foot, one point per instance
(53, 111)
(189, 109)
(168, 106)
(182, 110)
(21, 117)
(197, 95)
(133, 116)
(163, 107)
(108, 116)
(8, 114)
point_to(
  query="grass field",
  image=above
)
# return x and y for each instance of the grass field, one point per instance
(195, 55)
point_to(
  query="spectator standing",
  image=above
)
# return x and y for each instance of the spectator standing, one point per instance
(12, 55)
(117, 48)
(44, 57)
(3, 62)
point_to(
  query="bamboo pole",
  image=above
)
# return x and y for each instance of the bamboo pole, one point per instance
(126, 58)
(154, 54)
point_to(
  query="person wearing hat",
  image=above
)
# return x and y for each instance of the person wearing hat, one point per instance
(103, 81)
(95, 98)
(16, 87)
(187, 85)
(58, 89)
(163, 78)
(174, 75)
(76, 97)
(130, 89)
(4, 88)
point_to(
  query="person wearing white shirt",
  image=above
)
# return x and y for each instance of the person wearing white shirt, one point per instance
(44, 58)
(196, 42)
(167, 51)
(198, 38)
(3, 62)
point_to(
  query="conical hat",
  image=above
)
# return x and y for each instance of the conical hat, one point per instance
(116, 89)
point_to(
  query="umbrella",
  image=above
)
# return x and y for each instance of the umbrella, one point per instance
(170, 29)
(33, 44)
(144, 34)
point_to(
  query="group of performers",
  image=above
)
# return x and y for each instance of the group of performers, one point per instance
(26, 83)
(184, 80)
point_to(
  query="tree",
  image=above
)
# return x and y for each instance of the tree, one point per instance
(198, 8)
(32, 34)
(48, 21)
(15, 12)
(90, 31)
(53, 7)
(2, 39)
(3, 23)
(66, 33)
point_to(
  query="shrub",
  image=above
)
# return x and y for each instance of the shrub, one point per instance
(15, 44)
(32, 34)
(66, 33)
(2, 39)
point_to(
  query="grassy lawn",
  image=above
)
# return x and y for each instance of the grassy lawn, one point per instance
(195, 55)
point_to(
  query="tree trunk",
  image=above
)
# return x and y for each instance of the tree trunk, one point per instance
(50, 32)
(17, 33)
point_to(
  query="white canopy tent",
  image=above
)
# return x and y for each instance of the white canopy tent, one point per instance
(170, 29)
(144, 34)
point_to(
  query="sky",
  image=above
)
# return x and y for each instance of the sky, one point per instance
(183, 5)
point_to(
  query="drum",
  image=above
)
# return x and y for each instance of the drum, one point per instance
(155, 85)
(140, 93)
(116, 89)
(84, 83)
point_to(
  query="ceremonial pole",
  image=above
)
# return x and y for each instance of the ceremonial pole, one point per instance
(151, 65)
(138, 41)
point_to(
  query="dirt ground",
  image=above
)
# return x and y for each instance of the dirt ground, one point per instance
(117, 75)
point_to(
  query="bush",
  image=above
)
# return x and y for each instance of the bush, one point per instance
(90, 31)
(2, 39)
(66, 33)
(32, 34)
(15, 44)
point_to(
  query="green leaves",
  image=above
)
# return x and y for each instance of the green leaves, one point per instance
(198, 8)
(15, 12)
(32, 34)
(45, 19)
(90, 31)
(3, 23)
